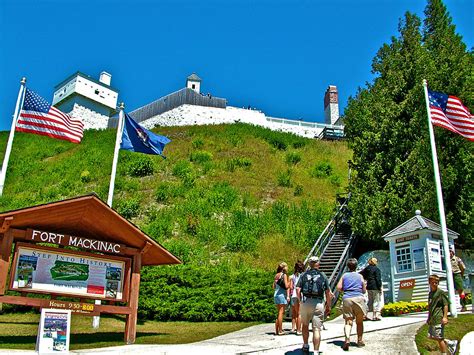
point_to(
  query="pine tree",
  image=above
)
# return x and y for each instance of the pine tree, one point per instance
(387, 127)
(452, 73)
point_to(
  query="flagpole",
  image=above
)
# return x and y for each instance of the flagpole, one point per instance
(3, 173)
(439, 192)
(118, 140)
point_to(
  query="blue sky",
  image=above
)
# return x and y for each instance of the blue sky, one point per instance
(277, 56)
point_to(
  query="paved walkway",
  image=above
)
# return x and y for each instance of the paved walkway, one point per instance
(392, 335)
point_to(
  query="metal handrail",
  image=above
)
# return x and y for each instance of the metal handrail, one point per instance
(326, 232)
(339, 269)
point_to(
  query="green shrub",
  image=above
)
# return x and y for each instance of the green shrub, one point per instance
(163, 192)
(398, 308)
(140, 166)
(129, 208)
(298, 190)
(222, 196)
(284, 178)
(182, 168)
(239, 162)
(293, 158)
(322, 169)
(205, 294)
(335, 180)
(200, 156)
(278, 142)
(197, 143)
(85, 176)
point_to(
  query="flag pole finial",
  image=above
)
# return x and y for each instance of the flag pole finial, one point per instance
(425, 83)
(23, 81)
(122, 105)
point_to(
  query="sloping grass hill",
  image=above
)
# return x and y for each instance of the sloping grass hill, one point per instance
(228, 200)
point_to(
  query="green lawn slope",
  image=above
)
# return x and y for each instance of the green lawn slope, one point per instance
(229, 199)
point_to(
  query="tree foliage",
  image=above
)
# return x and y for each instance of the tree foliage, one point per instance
(386, 123)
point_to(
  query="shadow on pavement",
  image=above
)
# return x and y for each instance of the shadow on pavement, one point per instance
(297, 351)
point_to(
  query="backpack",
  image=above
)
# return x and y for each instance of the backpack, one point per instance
(281, 282)
(313, 284)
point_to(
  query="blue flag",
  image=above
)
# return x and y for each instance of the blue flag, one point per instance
(138, 139)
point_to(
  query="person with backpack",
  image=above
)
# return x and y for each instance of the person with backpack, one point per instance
(313, 292)
(373, 276)
(281, 297)
(353, 303)
(295, 303)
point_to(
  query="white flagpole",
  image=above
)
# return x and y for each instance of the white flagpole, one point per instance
(118, 140)
(439, 192)
(3, 173)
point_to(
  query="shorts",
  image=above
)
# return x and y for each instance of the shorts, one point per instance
(354, 307)
(458, 285)
(436, 331)
(294, 301)
(280, 298)
(312, 309)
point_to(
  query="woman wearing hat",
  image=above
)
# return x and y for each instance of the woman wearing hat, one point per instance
(373, 277)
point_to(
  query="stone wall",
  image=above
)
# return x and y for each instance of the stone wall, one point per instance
(91, 119)
(190, 115)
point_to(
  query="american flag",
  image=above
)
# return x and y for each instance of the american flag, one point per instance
(39, 117)
(448, 112)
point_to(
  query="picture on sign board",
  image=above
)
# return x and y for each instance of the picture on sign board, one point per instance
(52, 270)
(54, 331)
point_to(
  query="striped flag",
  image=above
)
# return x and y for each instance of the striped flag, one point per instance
(39, 117)
(448, 112)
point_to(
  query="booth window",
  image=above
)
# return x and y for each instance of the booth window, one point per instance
(403, 258)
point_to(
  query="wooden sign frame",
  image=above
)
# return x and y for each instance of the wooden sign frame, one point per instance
(82, 223)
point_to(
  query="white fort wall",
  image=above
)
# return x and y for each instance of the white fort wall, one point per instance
(191, 115)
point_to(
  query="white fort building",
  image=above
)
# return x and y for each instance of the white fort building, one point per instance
(95, 103)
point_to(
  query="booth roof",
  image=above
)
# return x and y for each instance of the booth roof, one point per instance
(88, 216)
(416, 223)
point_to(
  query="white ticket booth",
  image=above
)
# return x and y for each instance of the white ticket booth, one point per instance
(416, 251)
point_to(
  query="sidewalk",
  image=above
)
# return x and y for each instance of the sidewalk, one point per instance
(392, 335)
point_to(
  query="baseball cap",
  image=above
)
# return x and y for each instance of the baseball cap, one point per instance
(313, 259)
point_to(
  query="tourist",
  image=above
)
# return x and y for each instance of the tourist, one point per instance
(353, 303)
(373, 277)
(458, 269)
(438, 316)
(295, 303)
(313, 290)
(281, 296)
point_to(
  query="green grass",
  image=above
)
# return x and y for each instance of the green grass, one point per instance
(212, 177)
(18, 331)
(454, 330)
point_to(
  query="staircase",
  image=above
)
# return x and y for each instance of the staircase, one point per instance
(335, 245)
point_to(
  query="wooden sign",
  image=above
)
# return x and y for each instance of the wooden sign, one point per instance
(72, 241)
(407, 238)
(406, 284)
(41, 269)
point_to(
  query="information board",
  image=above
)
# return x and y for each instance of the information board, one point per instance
(54, 331)
(53, 270)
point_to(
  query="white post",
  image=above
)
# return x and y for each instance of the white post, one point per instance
(439, 192)
(3, 173)
(118, 140)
